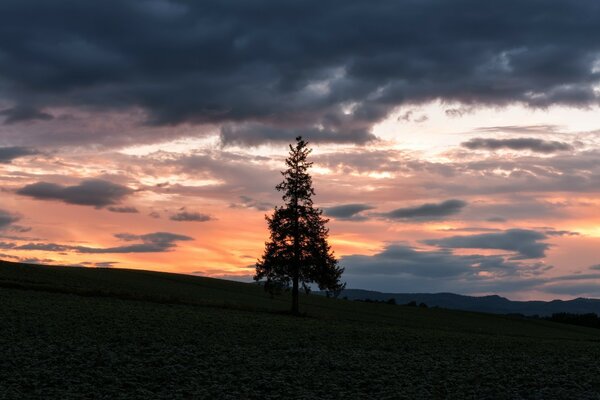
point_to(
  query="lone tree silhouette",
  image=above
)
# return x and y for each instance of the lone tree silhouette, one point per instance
(298, 252)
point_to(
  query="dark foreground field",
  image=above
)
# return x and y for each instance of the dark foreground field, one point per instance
(111, 334)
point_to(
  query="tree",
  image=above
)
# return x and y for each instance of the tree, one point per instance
(298, 252)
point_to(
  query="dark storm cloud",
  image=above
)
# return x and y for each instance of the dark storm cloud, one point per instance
(23, 113)
(7, 154)
(531, 144)
(329, 68)
(350, 212)
(189, 216)
(157, 242)
(90, 192)
(525, 243)
(428, 211)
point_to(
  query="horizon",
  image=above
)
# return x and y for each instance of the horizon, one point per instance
(456, 146)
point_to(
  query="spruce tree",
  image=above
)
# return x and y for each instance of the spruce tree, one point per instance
(297, 252)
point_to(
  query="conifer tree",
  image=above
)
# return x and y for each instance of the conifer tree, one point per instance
(298, 252)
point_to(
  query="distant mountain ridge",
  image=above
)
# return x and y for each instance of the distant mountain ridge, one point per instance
(490, 304)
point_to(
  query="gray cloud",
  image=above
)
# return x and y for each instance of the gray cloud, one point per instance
(525, 243)
(23, 113)
(7, 154)
(409, 116)
(189, 216)
(105, 264)
(459, 111)
(7, 219)
(531, 144)
(402, 268)
(256, 134)
(123, 209)
(249, 202)
(470, 229)
(43, 247)
(332, 69)
(91, 192)
(350, 212)
(589, 289)
(157, 242)
(428, 211)
(553, 232)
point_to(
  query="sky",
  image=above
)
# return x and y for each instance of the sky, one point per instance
(456, 144)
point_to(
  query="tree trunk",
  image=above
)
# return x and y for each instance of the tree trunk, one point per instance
(295, 295)
(296, 268)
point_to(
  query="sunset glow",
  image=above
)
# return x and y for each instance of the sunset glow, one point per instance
(488, 183)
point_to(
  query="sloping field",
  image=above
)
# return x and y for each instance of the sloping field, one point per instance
(110, 333)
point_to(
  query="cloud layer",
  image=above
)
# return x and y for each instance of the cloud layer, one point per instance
(263, 71)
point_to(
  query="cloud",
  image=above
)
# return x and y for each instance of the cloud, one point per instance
(157, 242)
(7, 154)
(409, 116)
(256, 134)
(553, 232)
(349, 212)
(124, 209)
(291, 68)
(105, 264)
(459, 111)
(525, 243)
(590, 289)
(91, 192)
(428, 211)
(249, 202)
(531, 144)
(189, 216)
(7, 219)
(43, 247)
(23, 113)
(470, 229)
(402, 268)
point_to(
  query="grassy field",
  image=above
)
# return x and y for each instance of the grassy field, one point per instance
(110, 334)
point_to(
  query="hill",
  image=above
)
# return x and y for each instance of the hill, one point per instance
(71, 332)
(488, 304)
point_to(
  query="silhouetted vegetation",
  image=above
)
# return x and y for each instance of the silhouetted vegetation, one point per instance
(391, 301)
(298, 252)
(71, 333)
(591, 320)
